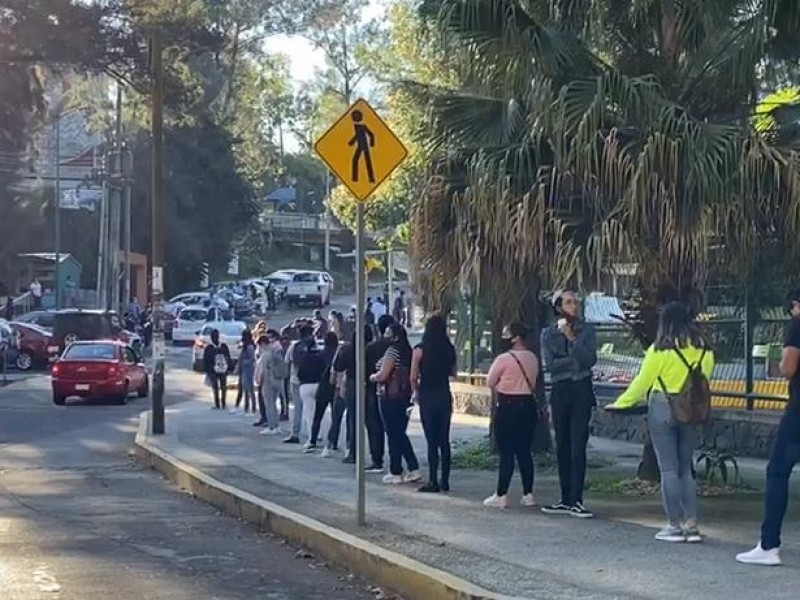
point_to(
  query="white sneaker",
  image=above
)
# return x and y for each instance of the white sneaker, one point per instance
(412, 477)
(528, 500)
(233, 411)
(496, 501)
(671, 534)
(269, 431)
(392, 479)
(326, 452)
(759, 556)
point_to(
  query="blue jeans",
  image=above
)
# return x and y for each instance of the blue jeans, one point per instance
(674, 444)
(784, 456)
(297, 417)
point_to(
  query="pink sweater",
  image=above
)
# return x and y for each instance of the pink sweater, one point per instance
(506, 377)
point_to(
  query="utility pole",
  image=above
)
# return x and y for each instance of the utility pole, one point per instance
(159, 349)
(57, 205)
(116, 224)
(128, 170)
(327, 220)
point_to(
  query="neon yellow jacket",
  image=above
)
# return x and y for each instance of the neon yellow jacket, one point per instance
(667, 365)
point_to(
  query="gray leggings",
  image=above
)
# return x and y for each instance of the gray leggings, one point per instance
(674, 445)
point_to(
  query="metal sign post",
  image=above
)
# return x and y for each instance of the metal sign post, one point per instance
(362, 151)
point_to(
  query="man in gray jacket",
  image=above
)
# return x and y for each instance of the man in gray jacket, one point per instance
(569, 350)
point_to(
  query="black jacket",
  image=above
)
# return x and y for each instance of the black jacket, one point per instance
(210, 353)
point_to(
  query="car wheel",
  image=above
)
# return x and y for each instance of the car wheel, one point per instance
(24, 361)
(122, 399)
(59, 400)
(144, 391)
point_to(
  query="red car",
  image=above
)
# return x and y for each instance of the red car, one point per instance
(34, 345)
(99, 369)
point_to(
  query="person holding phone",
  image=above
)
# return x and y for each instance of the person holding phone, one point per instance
(569, 350)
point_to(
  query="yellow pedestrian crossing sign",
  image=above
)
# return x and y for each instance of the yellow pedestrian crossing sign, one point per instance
(361, 150)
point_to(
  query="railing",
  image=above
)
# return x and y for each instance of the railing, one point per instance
(722, 398)
(295, 221)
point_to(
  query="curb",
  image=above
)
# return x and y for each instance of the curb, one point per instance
(410, 578)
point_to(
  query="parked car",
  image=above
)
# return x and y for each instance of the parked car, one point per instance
(308, 287)
(241, 306)
(72, 325)
(191, 320)
(33, 347)
(98, 369)
(230, 333)
(193, 299)
(43, 318)
(279, 279)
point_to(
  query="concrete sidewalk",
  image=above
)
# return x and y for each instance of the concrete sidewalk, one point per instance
(520, 552)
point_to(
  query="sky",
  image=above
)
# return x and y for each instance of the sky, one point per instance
(304, 58)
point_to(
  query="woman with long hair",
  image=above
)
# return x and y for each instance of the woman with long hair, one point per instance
(432, 364)
(678, 349)
(512, 377)
(394, 401)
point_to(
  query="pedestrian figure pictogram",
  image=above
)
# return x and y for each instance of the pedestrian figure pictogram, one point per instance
(364, 141)
(361, 150)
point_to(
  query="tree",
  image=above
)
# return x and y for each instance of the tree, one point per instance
(598, 131)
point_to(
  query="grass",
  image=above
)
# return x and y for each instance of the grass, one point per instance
(478, 455)
(615, 485)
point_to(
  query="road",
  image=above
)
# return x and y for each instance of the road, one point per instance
(80, 520)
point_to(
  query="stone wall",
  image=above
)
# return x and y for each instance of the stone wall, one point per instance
(743, 433)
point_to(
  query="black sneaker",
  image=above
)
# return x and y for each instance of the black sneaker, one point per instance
(559, 508)
(374, 469)
(580, 511)
(260, 424)
(349, 460)
(444, 486)
(429, 488)
(291, 440)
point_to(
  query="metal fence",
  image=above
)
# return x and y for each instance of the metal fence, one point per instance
(745, 376)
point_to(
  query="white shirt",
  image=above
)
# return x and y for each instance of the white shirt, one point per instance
(378, 309)
(293, 367)
(36, 289)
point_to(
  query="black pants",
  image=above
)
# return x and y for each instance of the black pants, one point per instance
(320, 406)
(285, 399)
(375, 430)
(514, 421)
(395, 421)
(239, 392)
(219, 383)
(572, 403)
(436, 412)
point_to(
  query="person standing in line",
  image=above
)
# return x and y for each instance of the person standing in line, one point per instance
(666, 369)
(310, 371)
(375, 429)
(262, 347)
(274, 368)
(36, 293)
(216, 362)
(512, 377)
(245, 367)
(394, 393)
(569, 349)
(785, 450)
(325, 394)
(286, 388)
(293, 357)
(432, 365)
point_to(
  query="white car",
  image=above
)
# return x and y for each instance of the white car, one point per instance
(308, 287)
(190, 321)
(181, 301)
(230, 333)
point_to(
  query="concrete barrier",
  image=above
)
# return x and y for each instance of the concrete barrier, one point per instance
(408, 577)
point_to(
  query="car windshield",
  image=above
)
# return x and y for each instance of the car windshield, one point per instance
(306, 277)
(90, 352)
(230, 329)
(194, 314)
(33, 328)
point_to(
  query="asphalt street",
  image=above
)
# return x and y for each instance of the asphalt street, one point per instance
(80, 520)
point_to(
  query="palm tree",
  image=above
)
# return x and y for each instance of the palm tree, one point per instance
(598, 130)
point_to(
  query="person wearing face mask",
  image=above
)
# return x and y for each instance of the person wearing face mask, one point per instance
(569, 349)
(512, 378)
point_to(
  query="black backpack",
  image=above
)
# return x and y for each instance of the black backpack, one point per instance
(311, 366)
